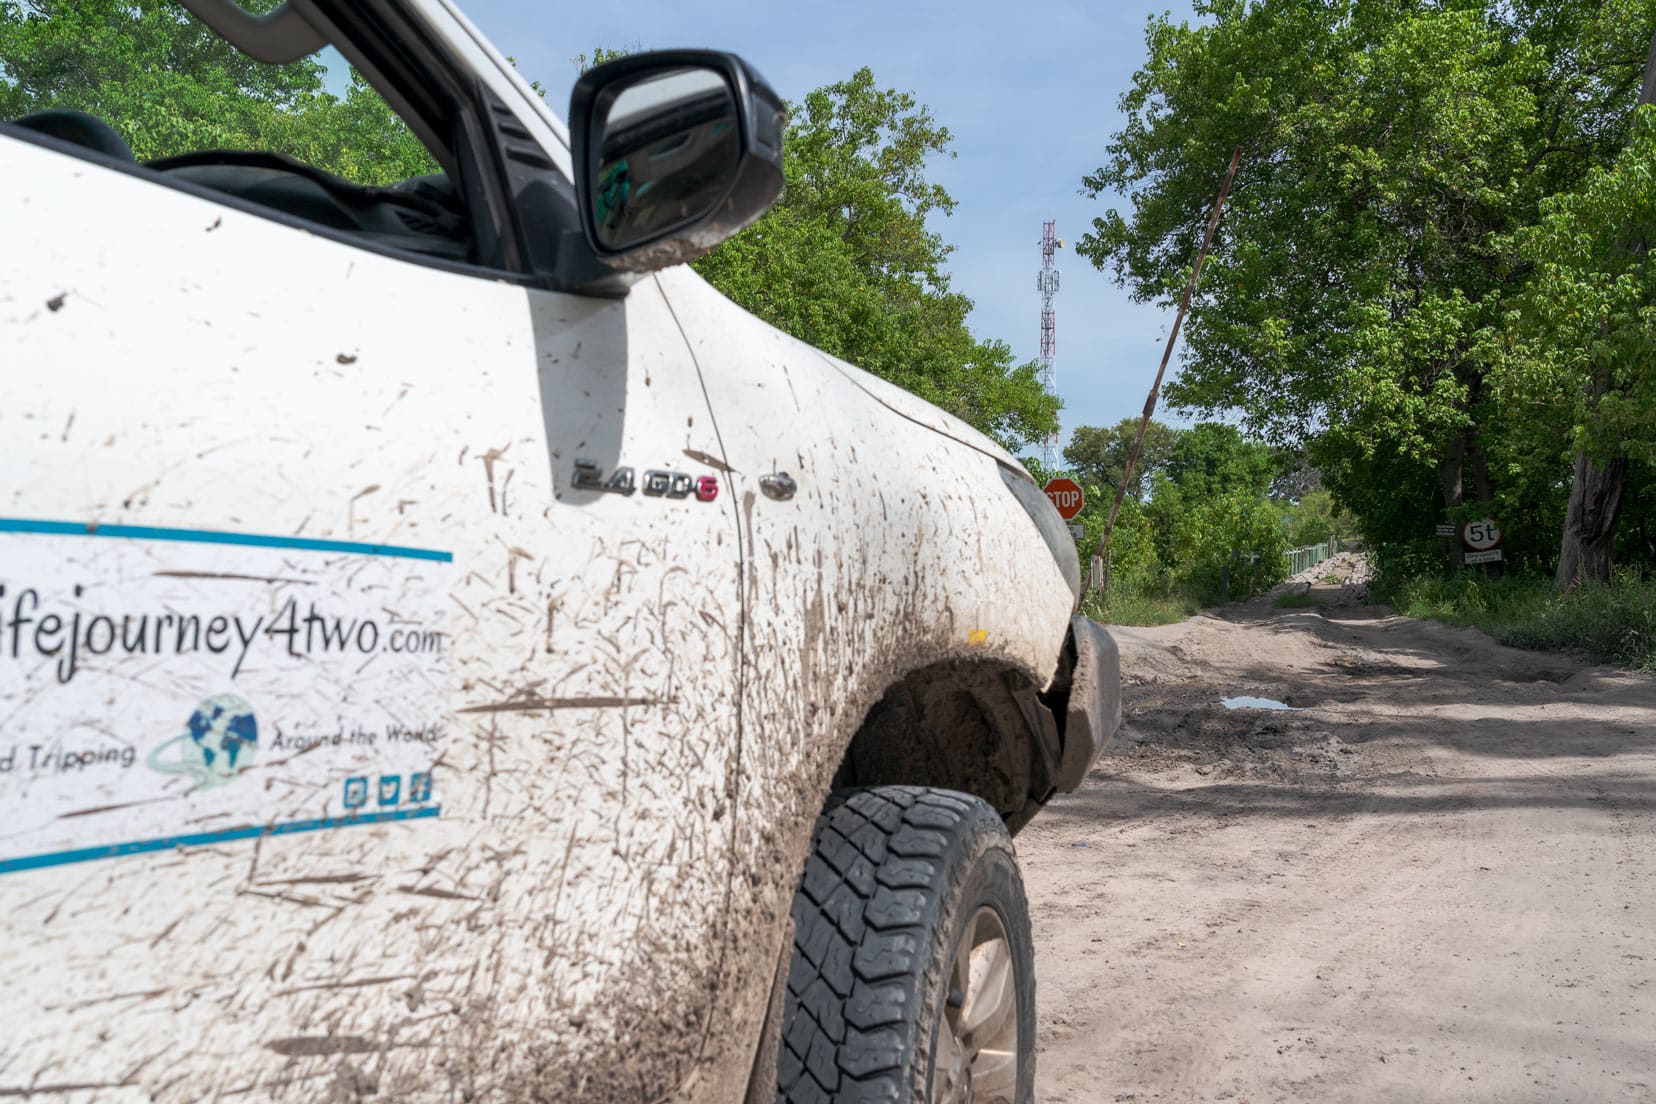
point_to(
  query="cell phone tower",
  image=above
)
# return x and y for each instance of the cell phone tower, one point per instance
(1046, 282)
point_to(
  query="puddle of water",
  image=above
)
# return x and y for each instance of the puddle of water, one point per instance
(1247, 701)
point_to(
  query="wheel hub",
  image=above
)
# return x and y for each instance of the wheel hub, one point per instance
(976, 1059)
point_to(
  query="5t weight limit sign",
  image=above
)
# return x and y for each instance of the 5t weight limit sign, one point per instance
(1482, 540)
(1481, 536)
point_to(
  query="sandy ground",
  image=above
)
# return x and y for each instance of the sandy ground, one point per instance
(1433, 881)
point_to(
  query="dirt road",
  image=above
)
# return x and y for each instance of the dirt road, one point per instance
(1434, 880)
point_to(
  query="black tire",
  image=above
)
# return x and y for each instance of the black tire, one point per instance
(897, 879)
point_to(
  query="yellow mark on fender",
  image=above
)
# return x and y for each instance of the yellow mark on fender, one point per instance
(977, 638)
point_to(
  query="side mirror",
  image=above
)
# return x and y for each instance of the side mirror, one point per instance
(675, 151)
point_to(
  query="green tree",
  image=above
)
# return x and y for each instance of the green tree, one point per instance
(1228, 544)
(1135, 560)
(1218, 540)
(1294, 475)
(170, 85)
(1587, 341)
(1208, 519)
(1098, 455)
(358, 137)
(1391, 147)
(1213, 459)
(848, 260)
(1313, 520)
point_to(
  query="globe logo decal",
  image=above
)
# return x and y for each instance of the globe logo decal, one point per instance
(220, 741)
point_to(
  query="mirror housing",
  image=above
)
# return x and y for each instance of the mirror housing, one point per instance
(713, 123)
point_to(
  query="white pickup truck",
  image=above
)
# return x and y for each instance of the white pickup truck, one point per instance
(448, 652)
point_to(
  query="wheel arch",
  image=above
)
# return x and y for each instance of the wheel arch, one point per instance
(981, 727)
(986, 727)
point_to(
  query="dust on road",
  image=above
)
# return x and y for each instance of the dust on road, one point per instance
(1432, 880)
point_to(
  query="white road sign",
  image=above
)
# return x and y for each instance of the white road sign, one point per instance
(1481, 535)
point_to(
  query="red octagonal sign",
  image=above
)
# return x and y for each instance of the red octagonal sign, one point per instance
(1066, 495)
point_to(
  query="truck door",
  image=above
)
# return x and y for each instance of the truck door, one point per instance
(369, 644)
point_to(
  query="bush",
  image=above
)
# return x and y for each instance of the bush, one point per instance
(1134, 563)
(1211, 538)
(1399, 565)
(1614, 622)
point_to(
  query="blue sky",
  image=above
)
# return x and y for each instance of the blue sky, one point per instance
(1029, 91)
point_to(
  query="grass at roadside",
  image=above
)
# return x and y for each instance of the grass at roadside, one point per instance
(1296, 599)
(1614, 622)
(1126, 606)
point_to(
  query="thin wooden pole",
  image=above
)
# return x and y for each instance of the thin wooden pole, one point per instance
(1167, 353)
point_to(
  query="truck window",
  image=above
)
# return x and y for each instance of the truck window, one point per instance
(150, 85)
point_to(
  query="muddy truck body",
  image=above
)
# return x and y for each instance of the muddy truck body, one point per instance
(450, 652)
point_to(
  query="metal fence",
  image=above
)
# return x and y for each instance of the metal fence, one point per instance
(1304, 559)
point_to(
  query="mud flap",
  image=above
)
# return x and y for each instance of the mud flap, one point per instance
(1093, 712)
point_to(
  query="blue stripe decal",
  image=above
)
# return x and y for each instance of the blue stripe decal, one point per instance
(196, 839)
(206, 536)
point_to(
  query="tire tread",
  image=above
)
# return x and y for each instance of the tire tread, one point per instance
(879, 863)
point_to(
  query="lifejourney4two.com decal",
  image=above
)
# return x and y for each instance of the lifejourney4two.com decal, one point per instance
(162, 688)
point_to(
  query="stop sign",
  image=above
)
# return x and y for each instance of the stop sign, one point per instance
(1066, 495)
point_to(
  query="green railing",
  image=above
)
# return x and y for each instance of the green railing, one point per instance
(1304, 559)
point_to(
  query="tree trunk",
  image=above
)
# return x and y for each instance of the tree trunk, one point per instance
(1462, 456)
(1480, 470)
(1590, 525)
(1452, 474)
(1452, 471)
(1647, 92)
(1596, 490)
(1464, 450)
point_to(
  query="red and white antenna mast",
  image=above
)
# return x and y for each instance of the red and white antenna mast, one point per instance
(1046, 282)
